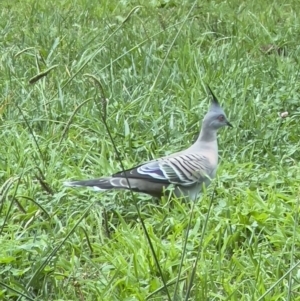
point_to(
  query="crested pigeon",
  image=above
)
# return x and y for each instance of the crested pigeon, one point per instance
(187, 170)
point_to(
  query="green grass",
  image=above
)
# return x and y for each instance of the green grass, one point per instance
(153, 60)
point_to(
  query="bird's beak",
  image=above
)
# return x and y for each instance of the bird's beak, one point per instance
(229, 124)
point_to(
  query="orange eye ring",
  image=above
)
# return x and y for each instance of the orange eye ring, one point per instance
(221, 118)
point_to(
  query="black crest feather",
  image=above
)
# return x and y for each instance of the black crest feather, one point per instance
(214, 98)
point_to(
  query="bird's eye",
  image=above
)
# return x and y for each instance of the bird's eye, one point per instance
(221, 118)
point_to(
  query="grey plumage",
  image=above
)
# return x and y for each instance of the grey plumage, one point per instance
(187, 170)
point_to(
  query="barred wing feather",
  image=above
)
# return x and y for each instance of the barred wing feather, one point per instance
(183, 170)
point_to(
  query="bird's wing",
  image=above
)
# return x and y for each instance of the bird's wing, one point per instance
(183, 169)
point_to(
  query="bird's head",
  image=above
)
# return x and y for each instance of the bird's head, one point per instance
(215, 118)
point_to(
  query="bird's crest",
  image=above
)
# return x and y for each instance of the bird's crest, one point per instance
(214, 100)
(215, 106)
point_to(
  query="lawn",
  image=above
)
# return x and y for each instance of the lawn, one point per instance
(90, 87)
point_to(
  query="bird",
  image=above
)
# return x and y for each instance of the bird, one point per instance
(186, 171)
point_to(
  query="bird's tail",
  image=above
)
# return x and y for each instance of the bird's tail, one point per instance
(100, 184)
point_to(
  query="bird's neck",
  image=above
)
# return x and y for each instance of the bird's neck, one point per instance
(207, 135)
